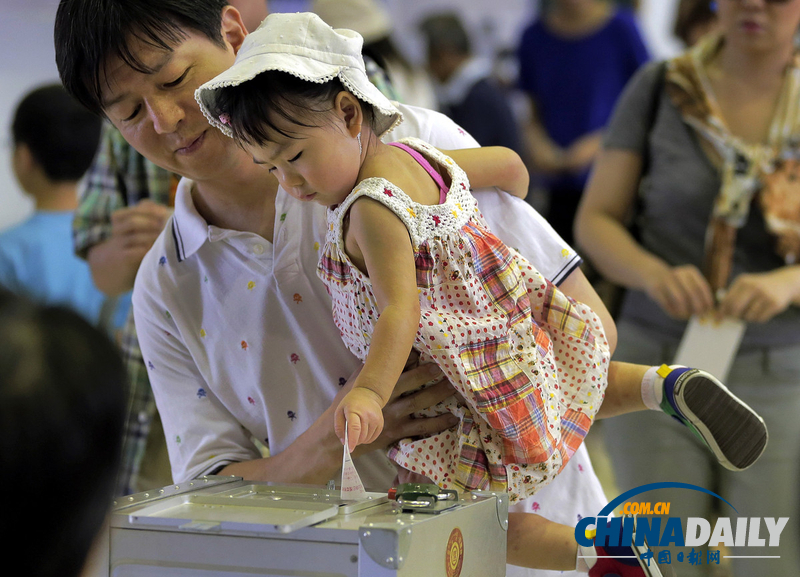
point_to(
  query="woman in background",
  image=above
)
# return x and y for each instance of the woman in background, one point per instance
(714, 139)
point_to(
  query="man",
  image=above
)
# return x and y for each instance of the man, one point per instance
(125, 203)
(227, 302)
(465, 88)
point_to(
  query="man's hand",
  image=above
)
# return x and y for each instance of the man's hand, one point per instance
(115, 261)
(316, 455)
(581, 153)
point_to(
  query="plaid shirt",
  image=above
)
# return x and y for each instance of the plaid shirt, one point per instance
(120, 177)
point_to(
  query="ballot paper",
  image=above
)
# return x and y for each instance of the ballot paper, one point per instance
(352, 487)
(710, 344)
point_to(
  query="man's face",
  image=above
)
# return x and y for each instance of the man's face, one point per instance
(157, 113)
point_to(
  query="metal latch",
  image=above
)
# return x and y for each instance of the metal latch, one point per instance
(423, 498)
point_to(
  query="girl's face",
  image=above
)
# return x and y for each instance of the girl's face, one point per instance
(319, 163)
(759, 25)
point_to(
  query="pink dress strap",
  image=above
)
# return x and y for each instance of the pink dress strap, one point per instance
(424, 163)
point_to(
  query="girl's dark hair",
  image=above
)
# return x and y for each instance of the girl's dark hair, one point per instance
(62, 403)
(89, 32)
(60, 133)
(255, 107)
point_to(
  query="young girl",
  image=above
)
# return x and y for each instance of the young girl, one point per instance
(410, 263)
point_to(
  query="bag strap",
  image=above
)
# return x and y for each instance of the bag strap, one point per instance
(652, 112)
(614, 294)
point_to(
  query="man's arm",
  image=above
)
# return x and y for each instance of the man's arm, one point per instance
(577, 286)
(316, 456)
(546, 155)
(209, 439)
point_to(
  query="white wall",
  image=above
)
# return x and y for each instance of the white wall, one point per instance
(28, 60)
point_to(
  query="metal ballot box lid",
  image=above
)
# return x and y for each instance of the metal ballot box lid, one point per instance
(229, 527)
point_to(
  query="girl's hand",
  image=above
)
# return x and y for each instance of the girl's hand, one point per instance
(361, 412)
(399, 422)
(681, 291)
(758, 297)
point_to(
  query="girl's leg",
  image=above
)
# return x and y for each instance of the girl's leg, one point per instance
(624, 391)
(650, 448)
(734, 432)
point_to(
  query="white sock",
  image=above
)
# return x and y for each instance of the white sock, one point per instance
(652, 389)
(653, 385)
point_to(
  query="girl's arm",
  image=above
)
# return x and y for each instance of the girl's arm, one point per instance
(378, 243)
(493, 166)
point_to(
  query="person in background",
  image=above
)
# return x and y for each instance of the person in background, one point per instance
(708, 148)
(409, 84)
(465, 89)
(54, 140)
(62, 403)
(125, 203)
(574, 62)
(695, 19)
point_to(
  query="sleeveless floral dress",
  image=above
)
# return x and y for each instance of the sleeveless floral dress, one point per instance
(529, 363)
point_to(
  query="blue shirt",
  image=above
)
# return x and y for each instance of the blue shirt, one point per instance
(575, 82)
(37, 259)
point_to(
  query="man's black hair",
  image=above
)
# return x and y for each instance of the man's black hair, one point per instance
(90, 32)
(60, 133)
(62, 407)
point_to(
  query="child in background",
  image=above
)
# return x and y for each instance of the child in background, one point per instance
(410, 263)
(54, 141)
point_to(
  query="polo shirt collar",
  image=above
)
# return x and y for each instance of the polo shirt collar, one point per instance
(189, 229)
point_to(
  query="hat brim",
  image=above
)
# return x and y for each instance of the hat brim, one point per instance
(353, 79)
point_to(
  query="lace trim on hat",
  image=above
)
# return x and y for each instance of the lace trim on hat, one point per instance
(394, 115)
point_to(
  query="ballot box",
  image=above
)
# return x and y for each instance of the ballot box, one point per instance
(228, 527)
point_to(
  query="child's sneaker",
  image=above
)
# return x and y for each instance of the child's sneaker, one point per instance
(732, 430)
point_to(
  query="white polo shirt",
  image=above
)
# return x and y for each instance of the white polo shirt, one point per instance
(239, 341)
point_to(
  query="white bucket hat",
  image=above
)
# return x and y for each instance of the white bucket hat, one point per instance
(302, 44)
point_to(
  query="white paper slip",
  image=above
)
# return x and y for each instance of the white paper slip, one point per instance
(710, 345)
(352, 487)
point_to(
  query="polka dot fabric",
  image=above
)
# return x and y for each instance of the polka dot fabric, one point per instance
(529, 364)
